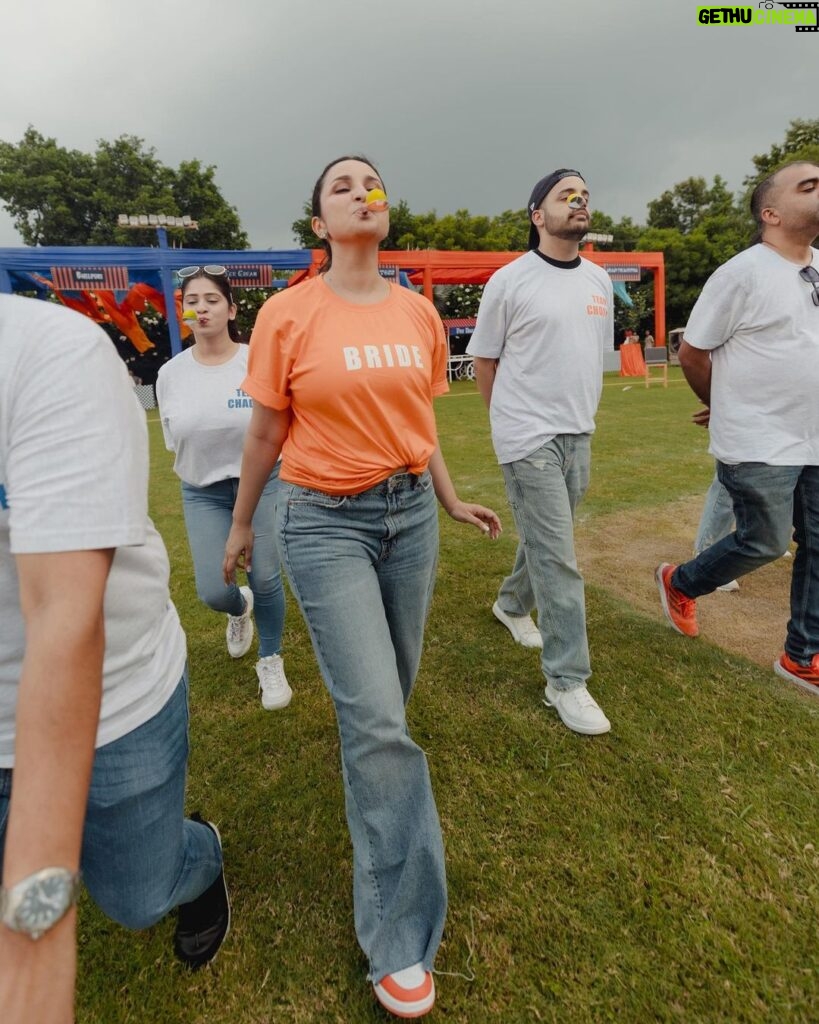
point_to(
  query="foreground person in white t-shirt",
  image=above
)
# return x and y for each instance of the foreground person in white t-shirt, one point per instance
(543, 325)
(751, 354)
(93, 678)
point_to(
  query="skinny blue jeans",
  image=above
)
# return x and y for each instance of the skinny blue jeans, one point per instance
(362, 568)
(208, 519)
(770, 503)
(140, 856)
(544, 490)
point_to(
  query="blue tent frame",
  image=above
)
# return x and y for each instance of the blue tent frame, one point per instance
(152, 265)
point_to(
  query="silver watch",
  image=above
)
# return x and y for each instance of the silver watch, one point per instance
(39, 901)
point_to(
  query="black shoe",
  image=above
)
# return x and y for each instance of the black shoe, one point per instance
(204, 922)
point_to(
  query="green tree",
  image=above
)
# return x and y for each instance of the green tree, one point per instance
(688, 203)
(458, 300)
(401, 223)
(636, 316)
(689, 260)
(801, 143)
(461, 230)
(57, 196)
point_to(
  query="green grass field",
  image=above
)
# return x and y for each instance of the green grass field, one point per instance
(668, 871)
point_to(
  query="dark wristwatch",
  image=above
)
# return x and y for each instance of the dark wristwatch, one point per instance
(38, 902)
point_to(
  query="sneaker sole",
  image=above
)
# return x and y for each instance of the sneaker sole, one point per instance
(783, 673)
(205, 963)
(658, 576)
(408, 1010)
(536, 641)
(279, 704)
(227, 894)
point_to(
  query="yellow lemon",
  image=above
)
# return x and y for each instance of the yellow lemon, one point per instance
(189, 315)
(376, 199)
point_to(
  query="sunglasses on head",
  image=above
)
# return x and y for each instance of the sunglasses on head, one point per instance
(811, 275)
(213, 269)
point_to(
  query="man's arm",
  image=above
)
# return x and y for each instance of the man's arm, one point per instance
(696, 365)
(485, 370)
(61, 598)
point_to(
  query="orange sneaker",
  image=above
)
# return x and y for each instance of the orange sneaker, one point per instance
(407, 993)
(681, 611)
(806, 676)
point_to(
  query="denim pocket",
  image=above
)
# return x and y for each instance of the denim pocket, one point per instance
(317, 499)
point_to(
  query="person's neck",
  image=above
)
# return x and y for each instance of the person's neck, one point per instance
(354, 274)
(563, 249)
(794, 249)
(212, 351)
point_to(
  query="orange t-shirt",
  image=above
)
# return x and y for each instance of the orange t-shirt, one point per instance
(359, 381)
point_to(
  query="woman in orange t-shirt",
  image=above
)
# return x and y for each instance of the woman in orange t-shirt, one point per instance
(343, 370)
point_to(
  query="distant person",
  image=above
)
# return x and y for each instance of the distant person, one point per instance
(751, 354)
(205, 414)
(648, 340)
(543, 324)
(343, 370)
(93, 677)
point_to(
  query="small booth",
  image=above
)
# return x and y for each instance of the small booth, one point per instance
(458, 331)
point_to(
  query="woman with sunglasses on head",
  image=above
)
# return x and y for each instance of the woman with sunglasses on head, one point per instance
(343, 370)
(205, 414)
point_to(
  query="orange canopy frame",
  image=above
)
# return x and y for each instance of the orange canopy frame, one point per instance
(429, 267)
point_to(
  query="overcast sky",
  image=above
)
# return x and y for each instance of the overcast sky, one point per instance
(460, 103)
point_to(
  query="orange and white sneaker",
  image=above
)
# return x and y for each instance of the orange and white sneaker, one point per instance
(806, 676)
(407, 993)
(681, 611)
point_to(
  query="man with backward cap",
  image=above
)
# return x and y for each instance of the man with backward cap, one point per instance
(543, 324)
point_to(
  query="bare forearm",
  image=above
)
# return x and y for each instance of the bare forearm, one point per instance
(463, 512)
(57, 709)
(263, 444)
(258, 460)
(485, 370)
(441, 481)
(696, 365)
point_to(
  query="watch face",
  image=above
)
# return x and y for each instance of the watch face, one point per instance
(43, 904)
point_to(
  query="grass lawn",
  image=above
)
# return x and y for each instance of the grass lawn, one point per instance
(668, 871)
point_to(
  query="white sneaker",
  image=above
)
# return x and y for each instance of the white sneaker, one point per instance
(578, 710)
(273, 685)
(240, 627)
(729, 587)
(407, 993)
(522, 628)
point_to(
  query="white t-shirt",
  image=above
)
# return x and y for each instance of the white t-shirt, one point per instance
(73, 477)
(548, 326)
(756, 317)
(205, 414)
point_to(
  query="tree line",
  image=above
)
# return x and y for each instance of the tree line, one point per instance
(57, 196)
